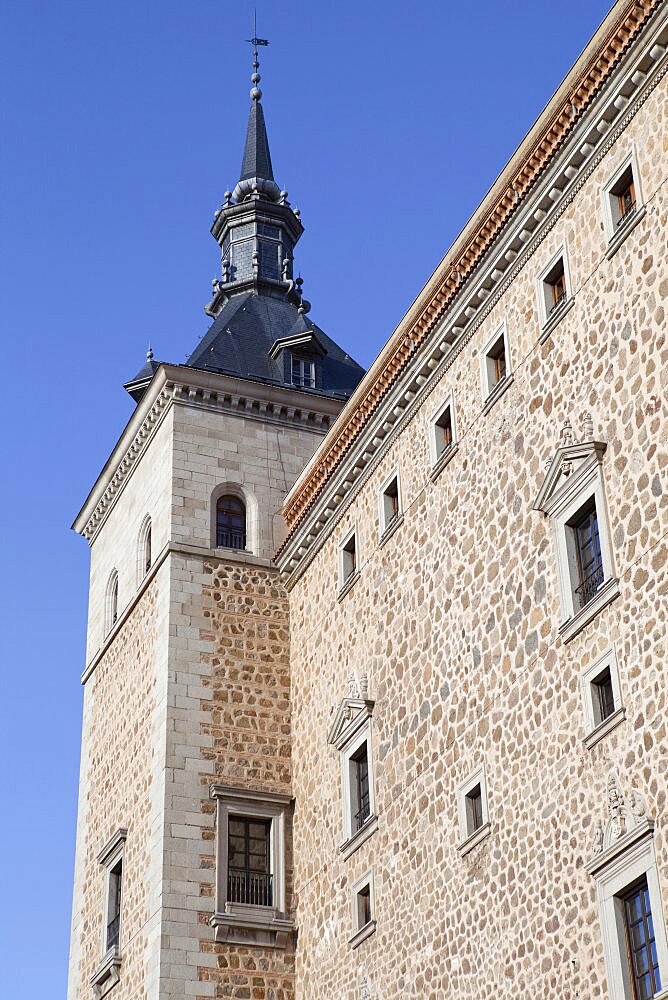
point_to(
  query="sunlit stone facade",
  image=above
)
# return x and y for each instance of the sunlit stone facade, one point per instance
(438, 678)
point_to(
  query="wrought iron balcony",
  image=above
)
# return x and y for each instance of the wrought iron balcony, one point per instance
(360, 818)
(245, 886)
(558, 303)
(589, 586)
(230, 538)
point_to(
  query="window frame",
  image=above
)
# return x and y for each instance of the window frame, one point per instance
(249, 500)
(347, 577)
(493, 390)
(595, 728)
(107, 973)
(362, 931)
(352, 838)
(565, 492)
(470, 837)
(111, 603)
(386, 526)
(549, 318)
(616, 870)
(302, 362)
(240, 922)
(145, 558)
(440, 457)
(615, 231)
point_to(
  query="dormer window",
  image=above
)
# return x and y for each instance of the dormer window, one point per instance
(303, 372)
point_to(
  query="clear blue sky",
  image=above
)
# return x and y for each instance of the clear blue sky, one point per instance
(122, 127)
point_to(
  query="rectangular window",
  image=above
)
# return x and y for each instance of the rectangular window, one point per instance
(604, 698)
(248, 852)
(623, 198)
(554, 292)
(474, 818)
(588, 552)
(389, 504)
(474, 825)
(348, 559)
(115, 882)
(442, 436)
(495, 366)
(363, 909)
(642, 958)
(303, 373)
(443, 426)
(622, 203)
(364, 906)
(360, 802)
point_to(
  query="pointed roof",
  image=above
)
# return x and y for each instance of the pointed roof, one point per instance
(240, 340)
(257, 159)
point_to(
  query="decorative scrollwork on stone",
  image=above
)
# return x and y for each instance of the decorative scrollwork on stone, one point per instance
(625, 814)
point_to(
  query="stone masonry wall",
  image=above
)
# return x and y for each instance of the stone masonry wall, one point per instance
(122, 787)
(454, 619)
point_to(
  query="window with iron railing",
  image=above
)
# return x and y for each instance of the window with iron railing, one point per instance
(249, 879)
(588, 551)
(360, 798)
(230, 523)
(114, 906)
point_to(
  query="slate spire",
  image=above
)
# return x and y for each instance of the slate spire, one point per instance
(257, 159)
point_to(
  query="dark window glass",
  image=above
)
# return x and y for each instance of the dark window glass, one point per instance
(604, 704)
(474, 809)
(114, 905)
(147, 551)
(443, 432)
(349, 558)
(303, 372)
(641, 946)
(230, 523)
(363, 907)
(360, 788)
(498, 358)
(588, 548)
(249, 879)
(391, 503)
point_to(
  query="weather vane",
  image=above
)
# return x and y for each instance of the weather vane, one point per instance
(255, 41)
(256, 93)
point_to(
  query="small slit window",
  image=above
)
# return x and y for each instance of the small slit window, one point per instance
(363, 909)
(442, 434)
(230, 522)
(474, 824)
(601, 698)
(390, 504)
(474, 818)
(111, 602)
(144, 551)
(348, 559)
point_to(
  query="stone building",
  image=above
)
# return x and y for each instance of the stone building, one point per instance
(375, 693)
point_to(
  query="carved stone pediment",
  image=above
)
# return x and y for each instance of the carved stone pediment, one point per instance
(569, 467)
(625, 814)
(351, 714)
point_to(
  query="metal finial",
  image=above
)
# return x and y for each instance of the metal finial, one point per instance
(149, 353)
(256, 93)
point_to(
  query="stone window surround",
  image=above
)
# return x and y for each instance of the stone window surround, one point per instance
(490, 393)
(353, 737)
(616, 234)
(108, 972)
(252, 514)
(346, 581)
(469, 840)
(595, 731)
(386, 527)
(245, 923)
(548, 321)
(366, 930)
(614, 870)
(438, 460)
(586, 483)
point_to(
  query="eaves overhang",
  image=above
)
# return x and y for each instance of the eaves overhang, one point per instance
(453, 304)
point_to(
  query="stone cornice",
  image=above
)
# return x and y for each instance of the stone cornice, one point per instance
(387, 416)
(562, 117)
(178, 384)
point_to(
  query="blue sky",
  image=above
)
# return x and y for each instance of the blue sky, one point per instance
(122, 127)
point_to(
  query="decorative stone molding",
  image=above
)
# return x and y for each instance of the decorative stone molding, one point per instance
(627, 818)
(178, 385)
(389, 394)
(107, 974)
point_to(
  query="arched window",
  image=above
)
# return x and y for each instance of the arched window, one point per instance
(111, 602)
(230, 522)
(144, 557)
